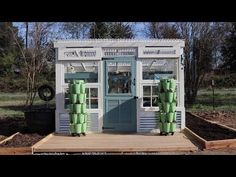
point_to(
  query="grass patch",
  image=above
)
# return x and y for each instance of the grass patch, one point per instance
(12, 104)
(225, 100)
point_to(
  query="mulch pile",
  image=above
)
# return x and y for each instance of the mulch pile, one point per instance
(22, 140)
(207, 130)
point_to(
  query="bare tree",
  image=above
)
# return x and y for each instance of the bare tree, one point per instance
(34, 57)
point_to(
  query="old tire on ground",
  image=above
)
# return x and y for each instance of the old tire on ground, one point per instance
(43, 90)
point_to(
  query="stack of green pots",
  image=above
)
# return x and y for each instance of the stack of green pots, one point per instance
(167, 106)
(78, 112)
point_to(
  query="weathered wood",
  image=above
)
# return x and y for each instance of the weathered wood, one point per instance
(41, 141)
(15, 151)
(215, 144)
(116, 143)
(190, 134)
(219, 144)
(9, 138)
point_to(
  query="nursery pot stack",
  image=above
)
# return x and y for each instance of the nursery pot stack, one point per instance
(167, 106)
(78, 111)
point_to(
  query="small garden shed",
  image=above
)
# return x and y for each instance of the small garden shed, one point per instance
(121, 78)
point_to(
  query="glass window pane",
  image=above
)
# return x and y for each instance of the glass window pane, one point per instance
(159, 68)
(93, 92)
(154, 101)
(154, 90)
(146, 90)
(119, 77)
(87, 71)
(94, 103)
(146, 101)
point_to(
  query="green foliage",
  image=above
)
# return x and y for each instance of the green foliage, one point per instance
(8, 49)
(111, 30)
(229, 50)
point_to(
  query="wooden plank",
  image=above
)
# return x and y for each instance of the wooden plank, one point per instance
(42, 141)
(9, 138)
(16, 151)
(202, 142)
(219, 144)
(116, 143)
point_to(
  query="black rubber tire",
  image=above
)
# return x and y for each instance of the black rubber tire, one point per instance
(41, 91)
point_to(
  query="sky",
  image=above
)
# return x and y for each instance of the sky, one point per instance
(139, 27)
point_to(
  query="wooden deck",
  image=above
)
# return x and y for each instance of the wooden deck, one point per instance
(114, 143)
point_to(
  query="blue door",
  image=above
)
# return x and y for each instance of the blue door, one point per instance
(119, 95)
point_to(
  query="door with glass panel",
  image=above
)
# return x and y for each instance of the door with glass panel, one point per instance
(120, 95)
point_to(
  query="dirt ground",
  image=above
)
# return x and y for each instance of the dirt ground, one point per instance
(207, 130)
(9, 126)
(22, 140)
(223, 117)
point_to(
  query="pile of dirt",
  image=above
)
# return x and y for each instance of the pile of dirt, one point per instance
(223, 117)
(207, 130)
(2, 137)
(22, 140)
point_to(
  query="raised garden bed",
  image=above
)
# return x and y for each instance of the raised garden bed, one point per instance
(19, 143)
(210, 135)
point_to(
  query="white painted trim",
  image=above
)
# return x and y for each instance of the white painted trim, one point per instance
(78, 54)
(118, 43)
(157, 52)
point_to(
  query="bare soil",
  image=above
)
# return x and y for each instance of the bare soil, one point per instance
(2, 137)
(223, 117)
(207, 130)
(22, 140)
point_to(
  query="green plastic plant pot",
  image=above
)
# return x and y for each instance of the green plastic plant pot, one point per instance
(170, 116)
(78, 128)
(169, 96)
(73, 98)
(81, 118)
(73, 118)
(79, 81)
(167, 107)
(70, 88)
(84, 128)
(174, 119)
(83, 108)
(161, 127)
(172, 85)
(173, 107)
(71, 108)
(174, 96)
(166, 86)
(82, 97)
(76, 88)
(82, 88)
(163, 97)
(162, 117)
(77, 108)
(172, 127)
(72, 128)
(73, 82)
(166, 127)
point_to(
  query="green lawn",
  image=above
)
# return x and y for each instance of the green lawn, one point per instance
(225, 100)
(12, 104)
